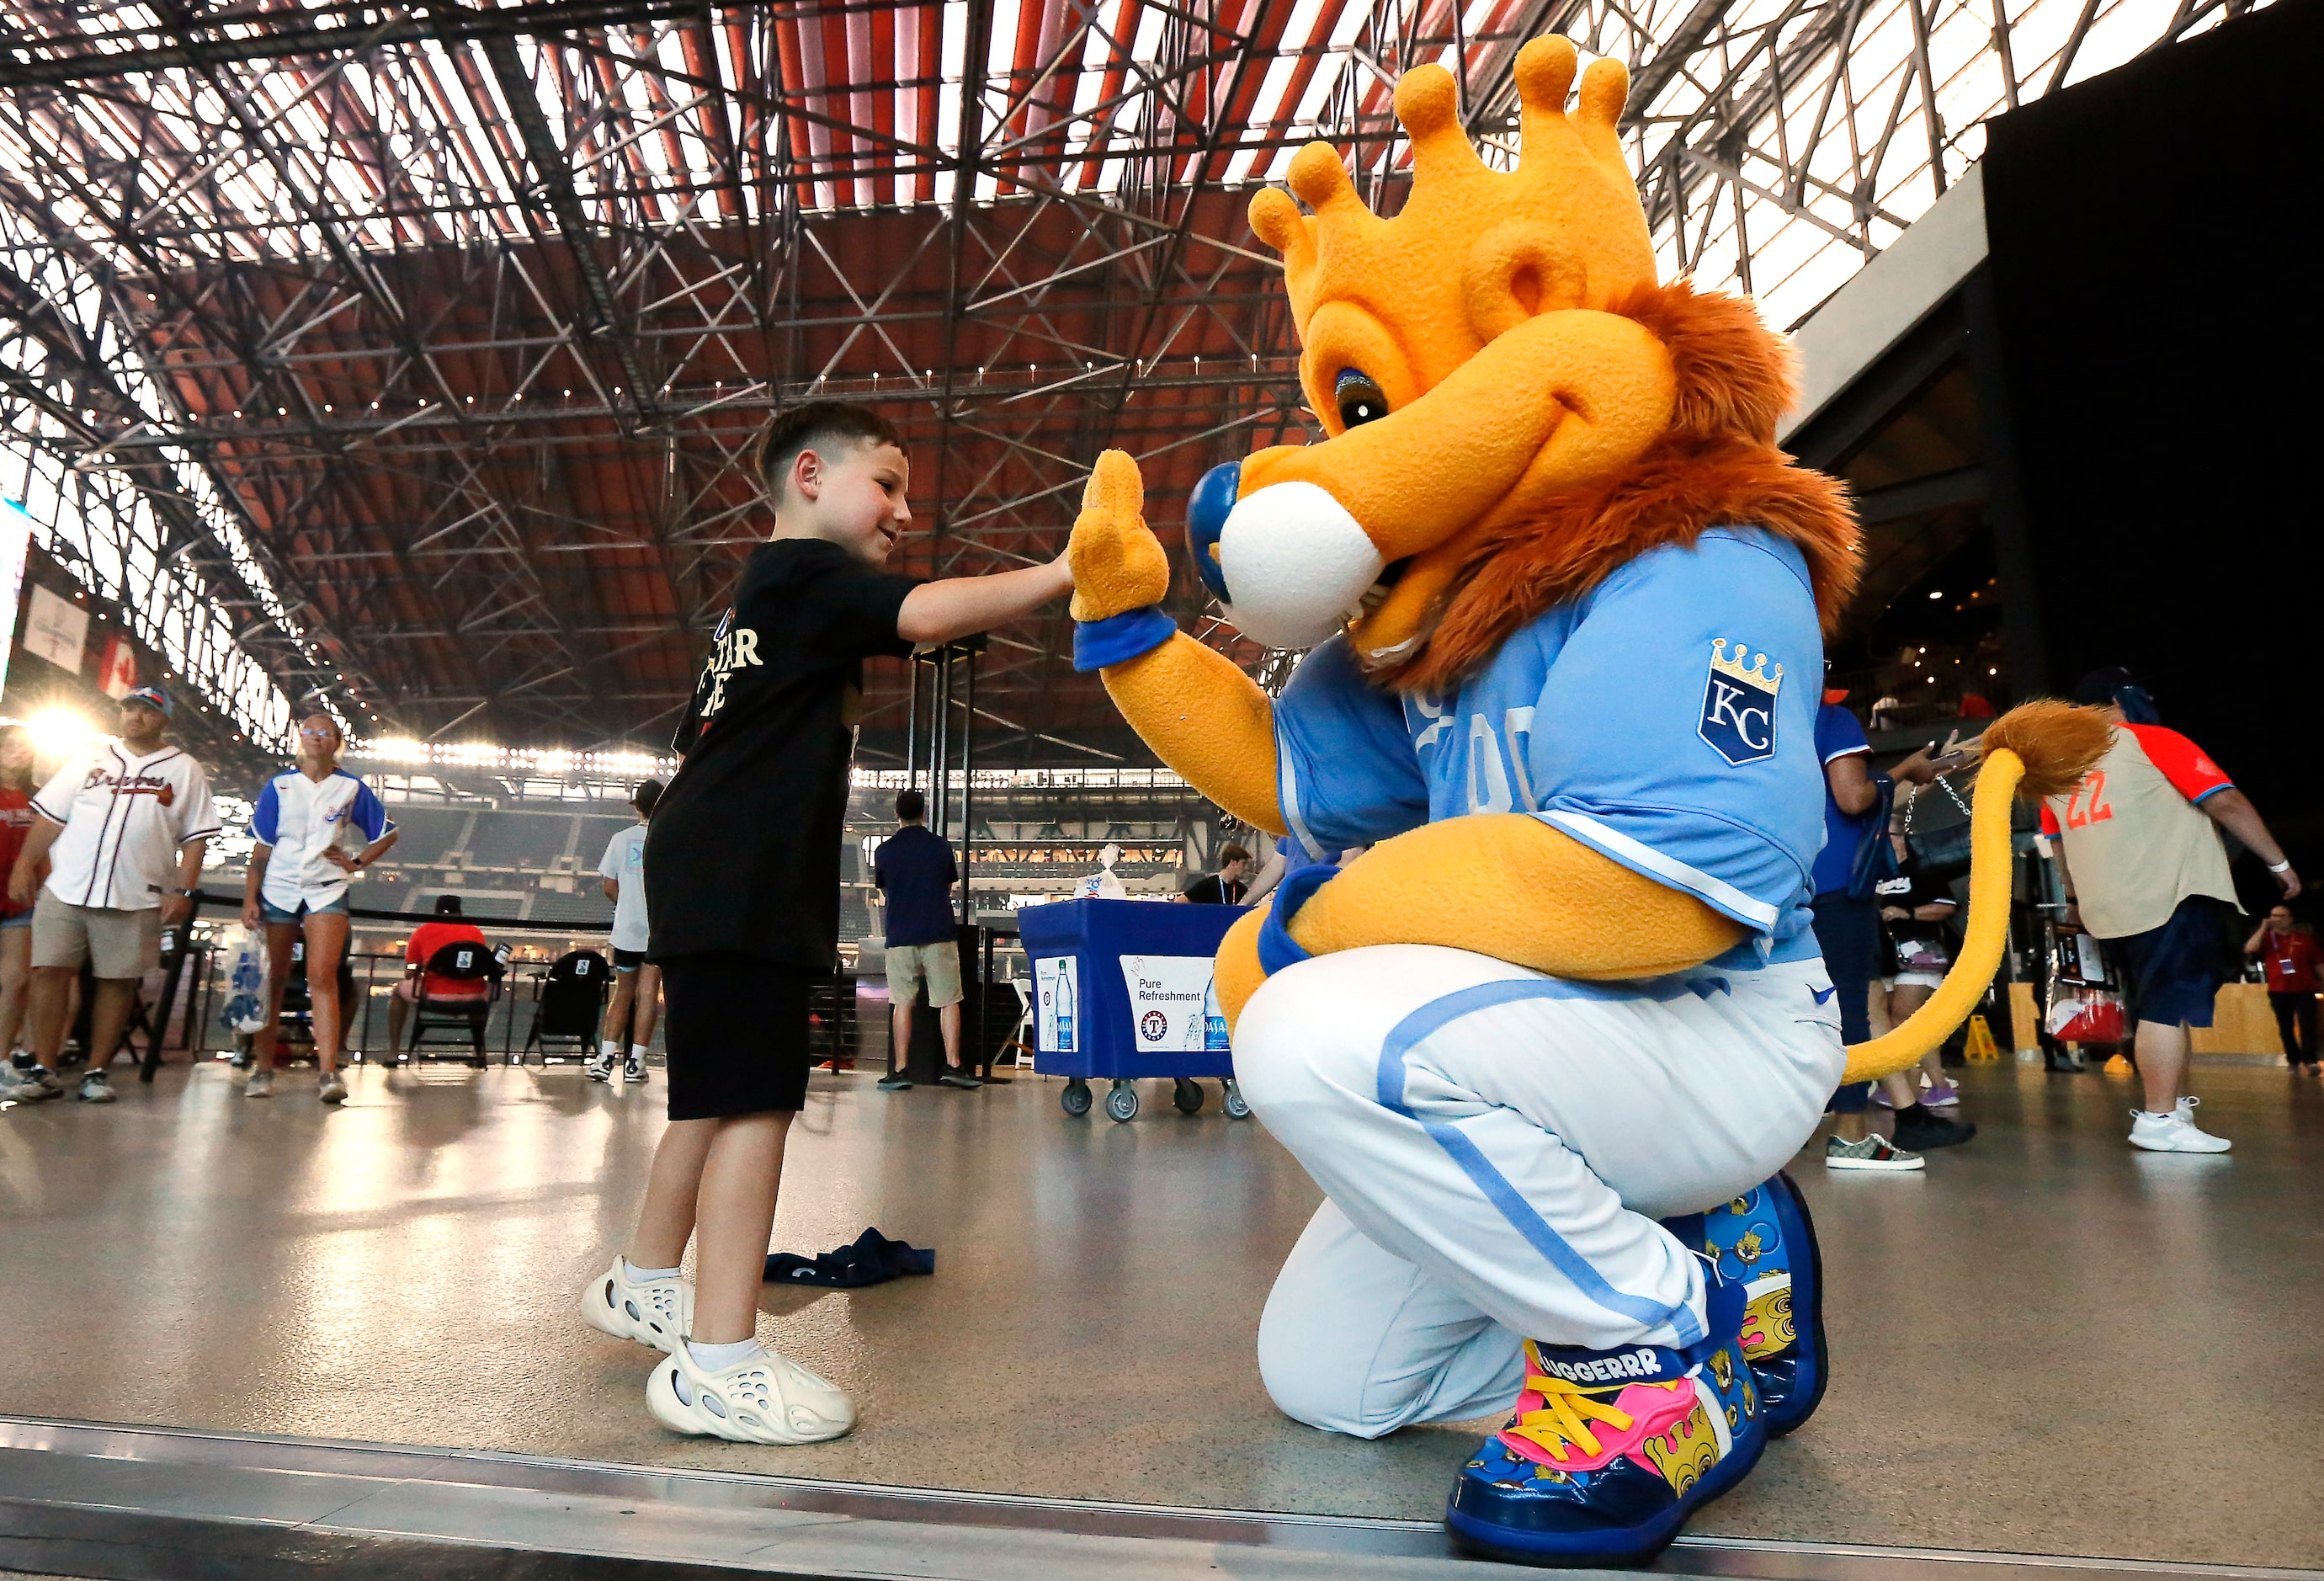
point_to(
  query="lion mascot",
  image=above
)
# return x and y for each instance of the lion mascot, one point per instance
(1546, 1044)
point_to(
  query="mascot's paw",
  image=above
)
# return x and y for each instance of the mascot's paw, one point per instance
(1117, 563)
(1765, 1241)
(1611, 1451)
(1238, 974)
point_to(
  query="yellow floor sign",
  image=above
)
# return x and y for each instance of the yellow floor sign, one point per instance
(1978, 1047)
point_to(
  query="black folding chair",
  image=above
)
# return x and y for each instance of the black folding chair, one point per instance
(297, 1028)
(461, 1014)
(572, 1003)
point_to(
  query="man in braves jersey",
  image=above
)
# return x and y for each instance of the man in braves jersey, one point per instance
(122, 830)
(2146, 870)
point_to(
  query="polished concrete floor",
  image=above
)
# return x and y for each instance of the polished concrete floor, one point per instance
(2045, 1344)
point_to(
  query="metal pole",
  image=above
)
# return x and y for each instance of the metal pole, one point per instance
(968, 799)
(940, 756)
(912, 722)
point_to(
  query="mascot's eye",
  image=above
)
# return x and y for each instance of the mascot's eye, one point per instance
(1360, 399)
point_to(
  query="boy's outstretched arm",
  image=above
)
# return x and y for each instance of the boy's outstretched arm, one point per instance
(961, 607)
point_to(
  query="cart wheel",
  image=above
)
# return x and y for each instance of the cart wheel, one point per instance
(1121, 1102)
(1237, 1109)
(1076, 1099)
(1185, 1096)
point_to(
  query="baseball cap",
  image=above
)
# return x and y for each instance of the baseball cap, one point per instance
(153, 698)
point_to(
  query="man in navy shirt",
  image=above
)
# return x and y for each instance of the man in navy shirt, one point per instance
(916, 872)
(1848, 932)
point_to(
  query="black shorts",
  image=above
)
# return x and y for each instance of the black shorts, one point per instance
(736, 1032)
(2173, 973)
(628, 960)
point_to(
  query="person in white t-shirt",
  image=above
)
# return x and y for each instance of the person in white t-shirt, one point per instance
(123, 828)
(316, 827)
(637, 982)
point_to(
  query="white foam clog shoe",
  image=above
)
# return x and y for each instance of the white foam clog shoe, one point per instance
(764, 1399)
(655, 1312)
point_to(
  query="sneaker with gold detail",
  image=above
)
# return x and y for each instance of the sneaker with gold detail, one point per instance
(1766, 1240)
(1609, 1451)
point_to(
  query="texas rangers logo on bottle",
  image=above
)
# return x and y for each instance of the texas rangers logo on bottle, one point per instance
(1739, 704)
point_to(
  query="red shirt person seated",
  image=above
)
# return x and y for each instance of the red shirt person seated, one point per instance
(426, 940)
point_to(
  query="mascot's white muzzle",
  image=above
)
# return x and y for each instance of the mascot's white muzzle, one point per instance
(1296, 565)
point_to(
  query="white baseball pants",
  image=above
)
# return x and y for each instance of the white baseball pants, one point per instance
(1496, 1146)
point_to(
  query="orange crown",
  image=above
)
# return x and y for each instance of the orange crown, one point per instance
(1474, 251)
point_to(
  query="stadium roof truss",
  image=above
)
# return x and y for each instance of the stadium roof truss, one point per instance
(407, 351)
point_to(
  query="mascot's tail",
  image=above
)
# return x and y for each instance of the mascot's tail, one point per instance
(2043, 748)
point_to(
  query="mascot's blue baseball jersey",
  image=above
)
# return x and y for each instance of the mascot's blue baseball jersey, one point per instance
(1665, 719)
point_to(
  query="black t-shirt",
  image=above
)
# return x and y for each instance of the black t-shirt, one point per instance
(743, 853)
(1917, 946)
(915, 870)
(1214, 891)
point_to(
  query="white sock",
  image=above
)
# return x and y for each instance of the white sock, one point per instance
(609, 1048)
(637, 1052)
(717, 1358)
(637, 1275)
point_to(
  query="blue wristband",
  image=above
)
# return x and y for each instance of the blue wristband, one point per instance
(1277, 947)
(1120, 638)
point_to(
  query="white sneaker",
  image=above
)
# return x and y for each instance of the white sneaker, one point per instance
(18, 1084)
(598, 1067)
(655, 1312)
(1874, 1153)
(2175, 1132)
(260, 1085)
(95, 1088)
(331, 1088)
(765, 1398)
(633, 1070)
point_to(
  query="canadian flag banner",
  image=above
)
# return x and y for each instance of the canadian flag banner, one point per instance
(118, 672)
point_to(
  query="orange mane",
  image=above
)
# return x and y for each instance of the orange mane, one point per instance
(1716, 465)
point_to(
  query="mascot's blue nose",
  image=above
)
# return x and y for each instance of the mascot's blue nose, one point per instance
(1206, 518)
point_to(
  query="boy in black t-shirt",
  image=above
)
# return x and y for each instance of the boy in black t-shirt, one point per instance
(742, 891)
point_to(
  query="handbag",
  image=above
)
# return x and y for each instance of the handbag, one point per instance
(1937, 827)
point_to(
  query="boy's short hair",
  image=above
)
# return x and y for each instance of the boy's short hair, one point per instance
(911, 807)
(1229, 855)
(810, 425)
(643, 797)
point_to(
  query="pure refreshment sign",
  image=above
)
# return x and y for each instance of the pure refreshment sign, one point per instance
(1171, 1003)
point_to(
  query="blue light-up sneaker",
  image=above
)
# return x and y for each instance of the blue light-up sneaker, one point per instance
(1611, 1451)
(1765, 1241)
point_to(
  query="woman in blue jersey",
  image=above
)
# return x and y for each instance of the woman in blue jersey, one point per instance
(316, 825)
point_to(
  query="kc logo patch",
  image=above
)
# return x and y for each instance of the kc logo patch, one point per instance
(1739, 704)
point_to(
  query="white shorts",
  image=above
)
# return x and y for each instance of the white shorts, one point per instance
(1497, 1147)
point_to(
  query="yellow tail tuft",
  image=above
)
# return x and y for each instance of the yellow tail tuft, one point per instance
(2045, 748)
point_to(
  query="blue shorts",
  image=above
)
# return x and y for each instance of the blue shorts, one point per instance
(23, 918)
(2174, 972)
(275, 916)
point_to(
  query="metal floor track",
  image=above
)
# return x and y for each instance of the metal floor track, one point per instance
(130, 1504)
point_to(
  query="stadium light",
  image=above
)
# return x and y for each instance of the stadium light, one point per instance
(57, 731)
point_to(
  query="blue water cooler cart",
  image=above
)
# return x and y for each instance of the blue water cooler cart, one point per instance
(1123, 992)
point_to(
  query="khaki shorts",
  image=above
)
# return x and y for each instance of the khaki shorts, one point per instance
(939, 964)
(115, 944)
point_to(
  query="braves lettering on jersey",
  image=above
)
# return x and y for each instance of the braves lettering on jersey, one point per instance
(1651, 719)
(124, 819)
(301, 818)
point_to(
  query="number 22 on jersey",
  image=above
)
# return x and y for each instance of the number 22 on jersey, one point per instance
(2087, 805)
